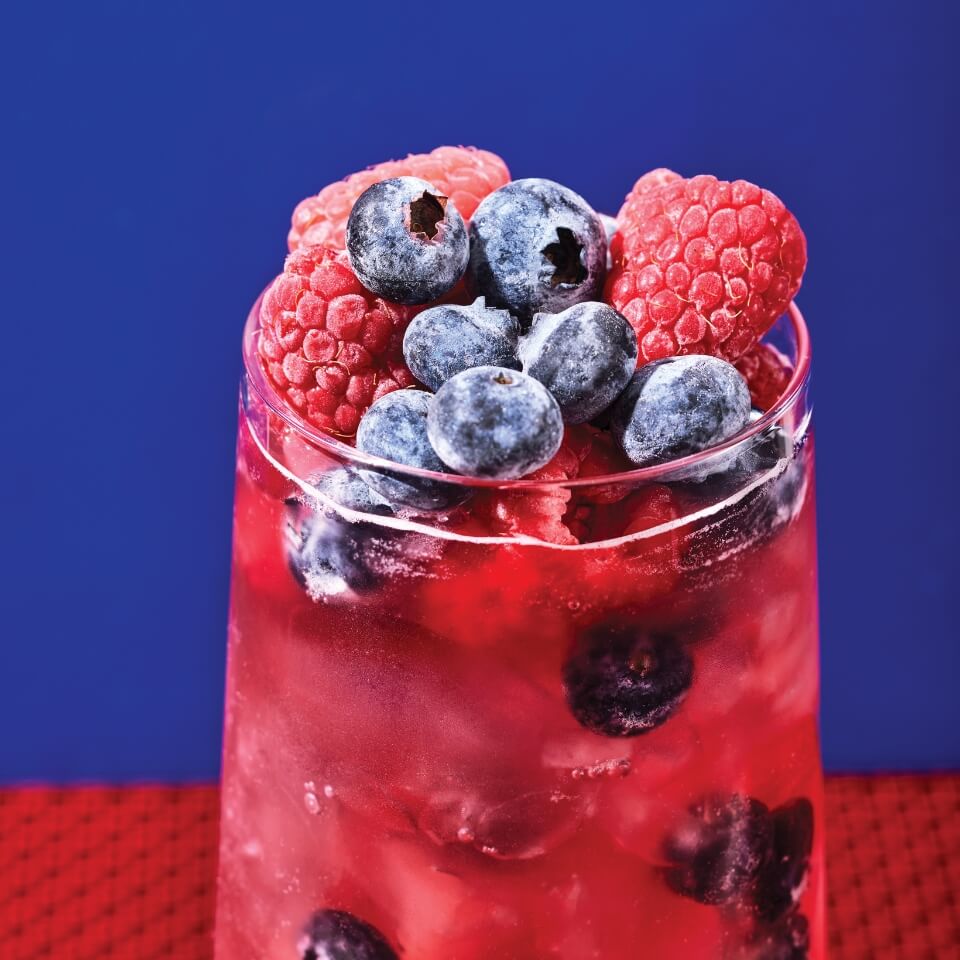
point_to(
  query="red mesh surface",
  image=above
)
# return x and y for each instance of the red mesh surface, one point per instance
(91, 873)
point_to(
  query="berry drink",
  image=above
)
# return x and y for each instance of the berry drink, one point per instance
(524, 667)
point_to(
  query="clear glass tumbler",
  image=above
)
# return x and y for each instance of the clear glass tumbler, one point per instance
(572, 718)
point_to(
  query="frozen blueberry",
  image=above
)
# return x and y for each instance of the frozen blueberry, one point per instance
(445, 340)
(584, 356)
(679, 406)
(338, 935)
(717, 854)
(406, 242)
(395, 428)
(494, 422)
(782, 881)
(536, 246)
(787, 940)
(325, 550)
(760, 455)
(609, 228)
(621, 681)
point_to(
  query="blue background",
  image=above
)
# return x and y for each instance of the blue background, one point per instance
(152, 154)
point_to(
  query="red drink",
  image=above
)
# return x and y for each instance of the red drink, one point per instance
(489, 746)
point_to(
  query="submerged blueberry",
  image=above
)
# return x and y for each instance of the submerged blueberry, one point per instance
(395, 429)
(718, 852)
(325, 550)
(584, 356)
(448, 339)
(621, 681)
(338, 935)
(494, 422)
(536, 246)
(789, 939)
(679, 406)
(406, 242)
(782, 881)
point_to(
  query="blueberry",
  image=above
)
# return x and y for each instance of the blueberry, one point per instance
(406, 242)
(760, 455)
(494, 422)
(536, 246)
(448, 339)
(610, 227)
(782, 880)
(395, 428)
(716, 857)
(338, 935)
(584, 356)
(787, 940)
(621, 681)
(325, 550)
(679, 406)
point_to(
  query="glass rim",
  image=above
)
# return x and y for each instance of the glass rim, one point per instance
(256, 377)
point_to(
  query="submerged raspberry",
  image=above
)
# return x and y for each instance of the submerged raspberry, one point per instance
(703, 265)
(463, 174)
(329, 346)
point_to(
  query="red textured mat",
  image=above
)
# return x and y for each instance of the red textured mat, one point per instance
(90, 873)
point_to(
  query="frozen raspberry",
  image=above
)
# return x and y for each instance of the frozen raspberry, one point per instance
(703, 265)
(329, 346)
(534, 513)
(464, 175)
(767, 372)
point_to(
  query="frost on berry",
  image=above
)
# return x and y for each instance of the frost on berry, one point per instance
(703, 265)
(330, 347)
(463, 175)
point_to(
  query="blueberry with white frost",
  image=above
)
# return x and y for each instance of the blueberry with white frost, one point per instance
(494, 422)
(395, 429)
(536, 246)
(447, 339)
(326, 550)
(406, 241)
(584, 356)
(679, 406)
(610, 227)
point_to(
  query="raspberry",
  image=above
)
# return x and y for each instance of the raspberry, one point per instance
(535, 513)
(767, 372)
(464, 174)
(703, 265)
(329, 346)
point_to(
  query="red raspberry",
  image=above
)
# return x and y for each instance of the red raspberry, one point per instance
(329, 346)
(464, 174)
(703, 265)
(767, 372)
(534, 513)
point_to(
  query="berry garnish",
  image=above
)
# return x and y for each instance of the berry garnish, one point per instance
(787, 940)
(679, 406)
(536, 246)
(494, 422)
(703, 265)
(406, 241)
(329, 346)
(324, 549)
(717, 853)
(782, 881)
(446, 340)
(584, 356)
(395, 429)
(338, 935)
(621, 681)
(464, 174)
(767, 372)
